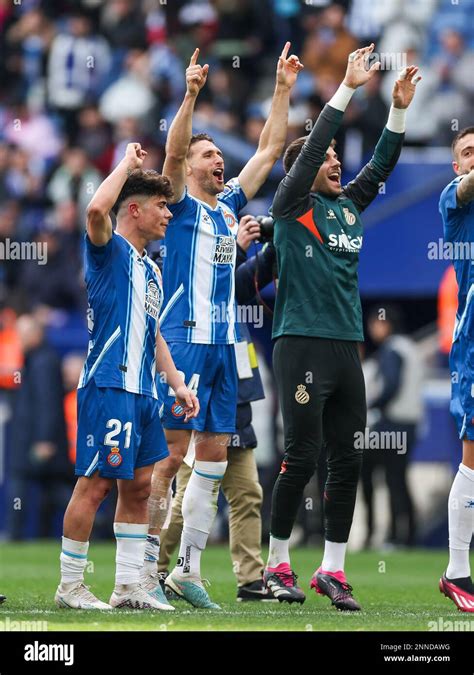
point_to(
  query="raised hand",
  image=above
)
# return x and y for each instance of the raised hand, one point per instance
(135, 155)
(288, 68)
(196, 75)
(356, 73)
(405, 87)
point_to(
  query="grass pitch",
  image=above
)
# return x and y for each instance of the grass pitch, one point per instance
(398, 592)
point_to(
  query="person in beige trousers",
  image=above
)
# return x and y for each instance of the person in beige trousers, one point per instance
(240, 484)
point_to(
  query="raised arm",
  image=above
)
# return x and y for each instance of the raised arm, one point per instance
(465, 189)
(273, 136)
(181, 130)
(293, 193)
(365, 187)
(99, 224)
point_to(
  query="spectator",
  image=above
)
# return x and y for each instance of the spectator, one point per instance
(368, 112)
(422, 116)
(78, 63)
(39, 435)
(123, 24)
(95, 138)
(396, 410)
(326, 47)
(403, 20)
(74, 180)
(55, 285)
(455, 92)
(131, 94)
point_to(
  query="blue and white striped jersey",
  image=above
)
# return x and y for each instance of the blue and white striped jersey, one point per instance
(125, 297)
(458, 224)
(199, 268)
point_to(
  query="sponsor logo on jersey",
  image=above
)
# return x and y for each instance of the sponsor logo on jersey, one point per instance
(343, 242)
(114, 457)
(224, 251)
(331, 215)
(301, 395)
(349, 216)
(152, 299)
(177, 409)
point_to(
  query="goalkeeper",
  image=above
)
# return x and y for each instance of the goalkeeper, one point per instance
(318, 324)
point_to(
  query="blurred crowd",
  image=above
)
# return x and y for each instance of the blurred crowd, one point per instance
(82, 78)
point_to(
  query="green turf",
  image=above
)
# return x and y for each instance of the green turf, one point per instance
(398, 591)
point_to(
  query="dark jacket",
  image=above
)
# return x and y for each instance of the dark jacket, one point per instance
(38, 415)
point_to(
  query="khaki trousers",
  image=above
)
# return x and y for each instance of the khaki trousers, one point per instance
(244, 495)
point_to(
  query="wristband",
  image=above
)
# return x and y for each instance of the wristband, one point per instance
(396, 120)
(342, 97)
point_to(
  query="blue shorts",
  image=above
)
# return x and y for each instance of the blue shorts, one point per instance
(117, 432)
(211, 372)
(461, 365)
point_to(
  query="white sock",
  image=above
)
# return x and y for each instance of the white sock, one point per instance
(131, 541)
(152, 553)
(199, 510)
(334, 556)
(73, 560)
(461, 523)
(278, 552)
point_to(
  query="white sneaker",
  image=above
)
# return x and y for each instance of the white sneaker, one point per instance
(134, 596)
(151, 583)
(77, 595)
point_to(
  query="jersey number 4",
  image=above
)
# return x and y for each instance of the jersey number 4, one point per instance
(193, 383)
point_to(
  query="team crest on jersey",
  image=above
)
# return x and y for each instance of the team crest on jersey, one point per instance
(349, 216)
(114, 457)
(230, 219)
(224, 251)
(152, 299)
(301, 395)
(177, 409)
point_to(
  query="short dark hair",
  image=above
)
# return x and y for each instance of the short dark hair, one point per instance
(147, 183)
(294, 149)
(195, 138)
(459, 136)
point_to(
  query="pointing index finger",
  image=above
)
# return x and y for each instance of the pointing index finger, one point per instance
(194, 57)
(285, 50)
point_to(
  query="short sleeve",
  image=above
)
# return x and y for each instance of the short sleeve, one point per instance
(98, 257)
(185, 204)
(451, 212)
(233, 195)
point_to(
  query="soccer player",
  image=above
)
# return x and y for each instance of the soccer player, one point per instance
(457, 210)
(198, 320)
(317, 325)
(119, 430)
